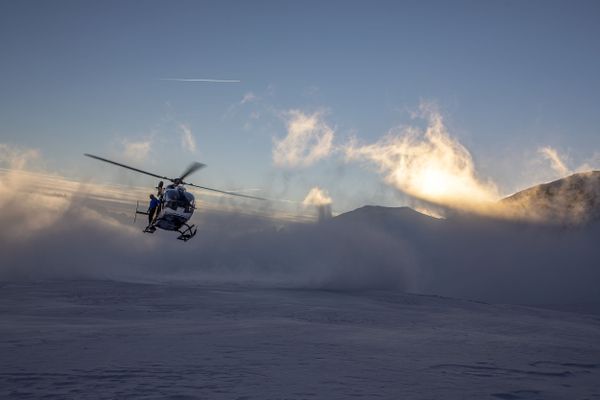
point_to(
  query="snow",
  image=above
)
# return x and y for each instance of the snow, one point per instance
(109, 339)
(260, 308)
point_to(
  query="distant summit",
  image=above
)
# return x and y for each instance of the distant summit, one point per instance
(378, 212)
(397, 221)
(572, 200)
(385, 216)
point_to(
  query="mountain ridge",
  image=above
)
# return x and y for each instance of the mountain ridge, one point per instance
(574, 200)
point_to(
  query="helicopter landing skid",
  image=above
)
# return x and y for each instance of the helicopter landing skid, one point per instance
(187, 233)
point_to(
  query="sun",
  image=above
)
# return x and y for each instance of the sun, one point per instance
(433, 183)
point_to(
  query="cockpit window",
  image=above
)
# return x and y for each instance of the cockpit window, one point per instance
(175, 199)
(190, 199)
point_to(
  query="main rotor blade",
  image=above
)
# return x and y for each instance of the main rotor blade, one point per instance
(128, 167)
(195, 166)
(224, 192)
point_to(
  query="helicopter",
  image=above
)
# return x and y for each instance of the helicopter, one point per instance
(176, 204)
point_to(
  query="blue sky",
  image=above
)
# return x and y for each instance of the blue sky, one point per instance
(509, 77)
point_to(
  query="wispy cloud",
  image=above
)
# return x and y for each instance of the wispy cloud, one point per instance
(207, 80)
(15, 157)
(312, 90)
(309, 139)
(188, 142)
(248, 98)
(136, 150)
(556, 161)
(592, 163)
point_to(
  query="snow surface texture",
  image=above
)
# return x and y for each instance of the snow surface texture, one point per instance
(101, 339)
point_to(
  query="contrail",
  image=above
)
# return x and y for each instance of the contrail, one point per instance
(201, 80)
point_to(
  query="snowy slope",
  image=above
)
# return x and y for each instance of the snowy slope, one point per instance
(103, 339)
(571, 200)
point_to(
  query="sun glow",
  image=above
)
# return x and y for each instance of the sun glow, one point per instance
(434, 182)
(428, 165)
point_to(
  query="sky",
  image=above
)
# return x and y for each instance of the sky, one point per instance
(313, 90)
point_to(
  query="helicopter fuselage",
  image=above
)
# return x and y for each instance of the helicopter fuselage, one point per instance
(177, 207)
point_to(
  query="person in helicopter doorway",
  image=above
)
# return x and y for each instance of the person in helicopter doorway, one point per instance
(160, 193)
(160, 190)
(152, 209)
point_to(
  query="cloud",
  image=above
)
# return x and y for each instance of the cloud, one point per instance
(136, 150)
(188, 142)
(592, 163)
(556, 162)
(248, 98)
(309, 139)
(312, 90)
(17, 158)
(428, 165)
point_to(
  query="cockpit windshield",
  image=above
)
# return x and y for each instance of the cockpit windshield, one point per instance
(175, 199)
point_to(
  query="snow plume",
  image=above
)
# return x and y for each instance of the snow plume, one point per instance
(556, 162)
(34, 203)
(188, 142)
(24, 210)
(309, 139)
(56, 229)
(318, 198)
(574, 200)
(66, 230)
(27, 208)
(61, 228)
(428, 165)
(592, 163)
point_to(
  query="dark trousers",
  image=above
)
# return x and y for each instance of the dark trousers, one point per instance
(151, 213)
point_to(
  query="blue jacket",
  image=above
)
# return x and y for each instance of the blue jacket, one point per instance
(153, 204)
